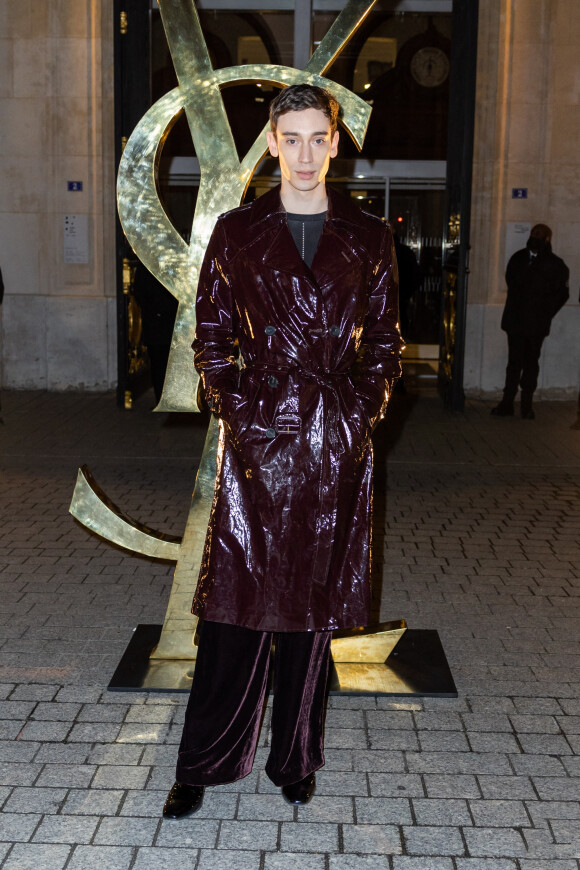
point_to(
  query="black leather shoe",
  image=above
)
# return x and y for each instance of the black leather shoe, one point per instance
(183, 800)
(528, 414)
(502, 410)
(298, 793)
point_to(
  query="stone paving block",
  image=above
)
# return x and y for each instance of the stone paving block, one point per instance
(158, 755)
(103, 712)
(16, 709)
(494, 842)
(459, 762)
(55, 711)
(32, 856)
(507, 787)
(486, 864)
(163, 777)
(534, 724)
(369, 839)
(34, 692)
(440, 721)
(66, 775)
(430, 811)
(447, 741)
(66, 829)
(335, 759)
(191, 833)
(339, 809)
(433, 840)
(18, 827)
(63, 753)
(149, 858)
(545, 744)
(11, 750)
(120, 776)
(391, 739)
(404, 862)
(488, 741)
(159, 714)
(537, 765)
(558, 788)
(113, 753)
(384, 811)
(486, 722)
(500, 813)
(101, 858)
(537, 705)
(377, 760)
(390, 720)
(248, 835)
(551, 864)
(342, 718)
(35, 800)
(396, 785)
(44, 731)
(261, 807)
(14, 773)
(345, 738)
(329, 782)
(225, 861)
(292, 860)
(82, 694)
(90, 732)
(142, 733)
(358, 862)
(307, 837)
(115, 831)
(92, 802)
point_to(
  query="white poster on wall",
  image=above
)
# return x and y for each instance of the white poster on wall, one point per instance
(76, 238)
(516, 236)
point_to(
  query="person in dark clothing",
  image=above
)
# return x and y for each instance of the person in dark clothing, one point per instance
(306, 284)
(537, 282)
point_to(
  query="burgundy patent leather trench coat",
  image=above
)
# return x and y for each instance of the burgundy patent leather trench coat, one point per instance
(289, 540)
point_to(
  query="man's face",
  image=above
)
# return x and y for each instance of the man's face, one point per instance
(304, 146)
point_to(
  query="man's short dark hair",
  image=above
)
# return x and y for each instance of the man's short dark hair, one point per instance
(298, 97)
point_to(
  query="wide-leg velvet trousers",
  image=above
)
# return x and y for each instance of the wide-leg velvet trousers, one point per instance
(223, 715)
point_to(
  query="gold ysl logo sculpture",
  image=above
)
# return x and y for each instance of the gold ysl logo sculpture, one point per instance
(224, 180)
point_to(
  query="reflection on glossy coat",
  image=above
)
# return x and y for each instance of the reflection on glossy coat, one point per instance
(289, 540)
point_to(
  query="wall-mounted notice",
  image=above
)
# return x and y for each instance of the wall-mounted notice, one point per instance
(76, 238)
(516, 236)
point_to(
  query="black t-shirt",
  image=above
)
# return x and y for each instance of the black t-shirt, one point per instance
(306, 230)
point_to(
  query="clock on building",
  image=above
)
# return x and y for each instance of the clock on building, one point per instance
(430, 66)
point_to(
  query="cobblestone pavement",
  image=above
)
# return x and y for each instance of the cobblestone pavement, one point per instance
(477, 523)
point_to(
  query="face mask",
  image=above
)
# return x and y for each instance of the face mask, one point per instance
(535, 245)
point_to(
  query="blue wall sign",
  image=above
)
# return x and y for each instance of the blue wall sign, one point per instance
(519, 192)
(74, 185)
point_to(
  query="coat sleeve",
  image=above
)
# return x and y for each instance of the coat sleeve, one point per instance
(379, 363)
(214, 343)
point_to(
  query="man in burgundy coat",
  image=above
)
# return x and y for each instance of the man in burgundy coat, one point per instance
(304, 284)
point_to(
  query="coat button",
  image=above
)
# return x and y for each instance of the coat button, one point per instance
(335, 331)
(272, 381)
(270, 433)
(270, 330)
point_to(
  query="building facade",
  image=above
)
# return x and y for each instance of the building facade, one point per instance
(57, 179)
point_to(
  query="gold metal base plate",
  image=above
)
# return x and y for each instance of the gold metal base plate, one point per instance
(417, 666)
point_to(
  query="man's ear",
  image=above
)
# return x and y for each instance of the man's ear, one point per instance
(272, 143)
(334, 145)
